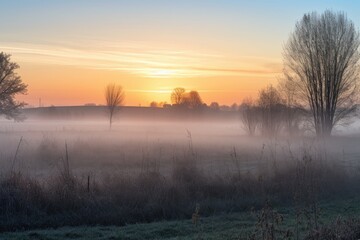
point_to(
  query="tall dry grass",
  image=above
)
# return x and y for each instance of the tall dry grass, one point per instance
(67, 199)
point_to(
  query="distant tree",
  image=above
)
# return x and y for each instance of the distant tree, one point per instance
(192, 100)
(249, 116)
(294, 113)
(234, 107)
(166, 105)
(177, 95)
(225, 108)
(114, 95)
(271, 106)
(154, 104)
(321, 61)
(162, 104)
(214, 106)
(10, 85)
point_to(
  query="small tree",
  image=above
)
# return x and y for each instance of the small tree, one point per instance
(192, 100)
(294, 113)
(272, 109)
(177, 95)
(249, 116)
(154, 104)
(10, 85)
(114, 95)
(234, 107)
(214, 106)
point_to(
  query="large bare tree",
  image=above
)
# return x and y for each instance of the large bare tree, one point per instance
(10, 85)
(114, 95)
(321, 61)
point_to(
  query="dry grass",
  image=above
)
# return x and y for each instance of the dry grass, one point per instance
(340, 229)
(66, 199)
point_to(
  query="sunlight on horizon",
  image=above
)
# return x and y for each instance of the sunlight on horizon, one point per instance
(149, 46)
(136, 67)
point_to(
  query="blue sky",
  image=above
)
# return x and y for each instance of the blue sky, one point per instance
(39, 20)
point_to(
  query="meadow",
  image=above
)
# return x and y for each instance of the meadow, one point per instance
(189, 173)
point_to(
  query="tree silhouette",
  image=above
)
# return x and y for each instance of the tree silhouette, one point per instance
(249, 115)
(214, 106)
(234, 107)
(294, 113)
(320, 61)
(10, 85)
(192, 100)
(177, 95)
(154, 104)
(114, 95)
(271, 106)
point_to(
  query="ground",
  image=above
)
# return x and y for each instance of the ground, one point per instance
(37, 149)
(221, 226)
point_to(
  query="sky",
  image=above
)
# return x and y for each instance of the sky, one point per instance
(68, 51)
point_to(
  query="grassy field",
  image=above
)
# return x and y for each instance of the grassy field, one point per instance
(74, 180)
(222, 226)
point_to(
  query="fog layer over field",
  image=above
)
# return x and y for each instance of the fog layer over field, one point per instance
(69, 173)
(217, 147)
(129, 145)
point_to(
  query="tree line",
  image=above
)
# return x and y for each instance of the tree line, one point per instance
(181, 99)
(272, 113)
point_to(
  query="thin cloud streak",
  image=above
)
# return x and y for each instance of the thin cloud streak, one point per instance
(145, 62)
(169, 90)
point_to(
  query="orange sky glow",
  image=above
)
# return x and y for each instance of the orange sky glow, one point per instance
(68, 76)
(68, 51)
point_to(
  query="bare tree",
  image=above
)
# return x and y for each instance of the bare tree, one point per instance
(177, 95)
(272, 108)
(249, 115)
(10, 85)
(294, 114)
(114, 95)
(320, 59)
